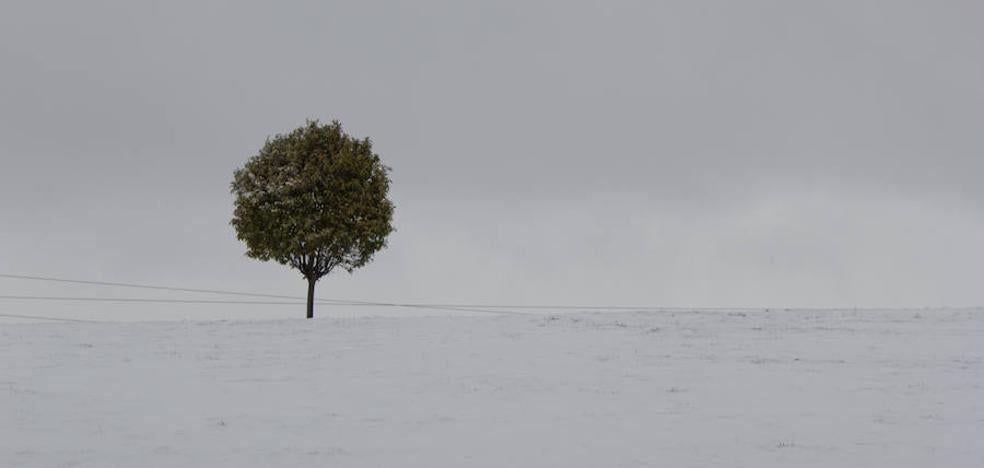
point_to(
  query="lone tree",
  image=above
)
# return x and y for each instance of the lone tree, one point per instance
(315, 200)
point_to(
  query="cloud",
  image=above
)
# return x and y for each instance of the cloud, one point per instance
(719, 153)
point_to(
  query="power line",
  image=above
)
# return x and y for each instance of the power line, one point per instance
(514, 309)
(321, 301)
(158, 288)
(460, 308)
(129, 299)
(212, 302)
(324, 302)
(42, 317)
(591, 307)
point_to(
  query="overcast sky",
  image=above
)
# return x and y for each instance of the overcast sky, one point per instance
(678, 153)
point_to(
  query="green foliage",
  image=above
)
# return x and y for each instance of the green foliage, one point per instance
(314, 199)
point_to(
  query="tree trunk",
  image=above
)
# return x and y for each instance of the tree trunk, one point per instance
(310, 301)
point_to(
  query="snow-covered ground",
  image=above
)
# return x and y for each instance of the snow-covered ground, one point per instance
(737, 389)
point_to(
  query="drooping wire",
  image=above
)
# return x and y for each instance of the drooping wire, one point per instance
(346, 302)
(323, 302)
(512, 309)
(42, 317)
(131, 299)
(158, 288)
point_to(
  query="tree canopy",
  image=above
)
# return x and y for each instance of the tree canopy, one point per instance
(314, 199)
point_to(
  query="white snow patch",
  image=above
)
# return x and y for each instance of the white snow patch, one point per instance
(756, 389)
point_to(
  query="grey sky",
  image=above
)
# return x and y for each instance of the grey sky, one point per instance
(746, 153)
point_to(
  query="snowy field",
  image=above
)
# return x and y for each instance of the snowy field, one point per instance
(686, 389)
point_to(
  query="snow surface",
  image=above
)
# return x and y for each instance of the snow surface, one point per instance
(737, 389)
